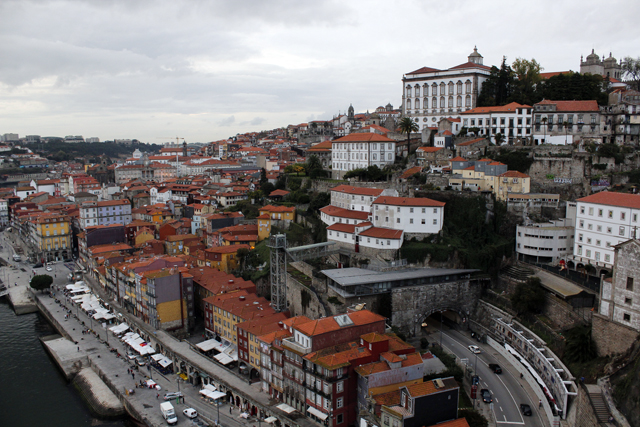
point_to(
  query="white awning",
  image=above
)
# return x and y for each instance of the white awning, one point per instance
(223, 358)
(164, 362)
(317, 413)
(270, 420)
(286, 408)
(157, 357)
(210, 387)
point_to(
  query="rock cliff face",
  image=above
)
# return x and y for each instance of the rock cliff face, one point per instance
(626, 384)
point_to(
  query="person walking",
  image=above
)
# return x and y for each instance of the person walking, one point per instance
(540, 404)
(157, 396)
(230, 410)
(133, 376)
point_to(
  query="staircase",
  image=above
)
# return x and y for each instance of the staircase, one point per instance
(598, 403)
(517, 272)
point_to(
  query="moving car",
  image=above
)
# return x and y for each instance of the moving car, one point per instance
(486, 395)
(525, 409)
(172, 395)
(474, 349)
(190, 413)
(168, 413)
(495, 368)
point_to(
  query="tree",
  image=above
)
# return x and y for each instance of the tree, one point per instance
(527, 73)
(631, 69)
(498, 87)
(407, 125)
(499, 138)
(529, 297)
(580, 346)
(314, 167)
(41, 282)
(242, 255)
(574, 86)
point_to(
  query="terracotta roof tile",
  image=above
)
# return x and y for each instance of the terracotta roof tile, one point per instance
(407, 201)
(344, 213)
(613, 199)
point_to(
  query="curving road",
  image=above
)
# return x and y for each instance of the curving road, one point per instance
(507, 389)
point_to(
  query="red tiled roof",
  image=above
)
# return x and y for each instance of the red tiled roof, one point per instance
(424, 70)
(545, 76)
(470, 65)
(407, 201)
(271, 208)
(429, 149)
(572, 105)
(364, 137)
(360, 191)
(382, 233)
(328, 324)
(410, 172)
(278, 193)
(344, 213)
(460, 422)
(508, 108)
(344, 228)
(323, 146)
(613, 199)
(459, 159)
(514, 174)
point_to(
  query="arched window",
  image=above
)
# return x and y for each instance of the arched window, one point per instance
(425, 103)
(417, 104)
(425, 90)
(467, 85)
(375, 156)
(408, 91)
(451, 100)
(442, 102)
(434, 89)
(459, 87)
(467, 101)
(408, 104)
(417, 93)
(450, 88)
(459, 100)
(442, 89)
(434, 102)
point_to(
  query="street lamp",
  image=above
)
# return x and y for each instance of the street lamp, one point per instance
(218, 409)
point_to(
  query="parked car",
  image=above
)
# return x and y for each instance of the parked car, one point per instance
(38, 265)
(525, 409)
(190, 413)
(474, 349)
(172, 395)
(486, 395)
(475, 380)
(131, 356)
(141, 361)
(495, 368)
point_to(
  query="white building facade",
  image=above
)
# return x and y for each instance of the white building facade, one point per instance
(566, 122)
(604, 220)
(359, 151)
(430, 94)
(105, 213)
(357, 198)
(512, 121)
(545, 242)
(414, 215)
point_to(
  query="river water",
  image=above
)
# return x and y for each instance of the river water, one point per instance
(33, 392)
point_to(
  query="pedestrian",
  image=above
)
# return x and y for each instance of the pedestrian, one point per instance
(540, 404)
(78, 348)
(230, 409)
(133, 376)
(157, 396)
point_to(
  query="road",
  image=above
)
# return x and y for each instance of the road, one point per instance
(507, 389)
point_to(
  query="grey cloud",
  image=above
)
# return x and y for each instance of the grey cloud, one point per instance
(227, 121)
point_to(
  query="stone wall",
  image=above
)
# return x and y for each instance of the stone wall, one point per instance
(410, 305)
(563, 314)
(303, 301)
(609, 337)
(326, 185)
(581, 413)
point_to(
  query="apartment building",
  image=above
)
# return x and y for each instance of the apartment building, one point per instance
(511, 121)
(357, 198)
(604, 220)
(415, 215)
(566, 122)
(359, 151)
(52, 237)
(105, 213)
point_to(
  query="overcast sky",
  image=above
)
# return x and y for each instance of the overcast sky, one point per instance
(207, 70)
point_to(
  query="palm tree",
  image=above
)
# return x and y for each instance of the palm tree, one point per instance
(544, 123)
(406, 125)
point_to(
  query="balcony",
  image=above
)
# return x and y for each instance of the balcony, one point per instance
(293, 345)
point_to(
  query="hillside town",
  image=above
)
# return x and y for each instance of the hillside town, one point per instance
(353, 271)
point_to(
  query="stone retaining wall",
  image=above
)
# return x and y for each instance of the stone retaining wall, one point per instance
(95, 392)
(610, 337)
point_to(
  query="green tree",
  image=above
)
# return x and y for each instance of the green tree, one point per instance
(407, 125)
(574, 86)
(314, 167)
(242, 255)
(631, 69)
(473, 417)
(498, 87)
(529, 297)
(41, 282)
(579, 346)
(527, 73)
(319, 200)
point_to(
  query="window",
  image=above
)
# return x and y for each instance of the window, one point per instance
(623, 216)
(424, 221)
(628, 301)
(411, 210)
(398, 220)
(424, 210)
(621, 231)
(610, 214)
(588, 253)
(340, 419)
(626, 317)
(590, 226)
(630, 283)
(435, 210)
(581, 224)
(340, 387)
(435, 222)
(590, 211)
(600, 212)
(410, 220)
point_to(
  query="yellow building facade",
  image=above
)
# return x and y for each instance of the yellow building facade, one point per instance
(53, 237)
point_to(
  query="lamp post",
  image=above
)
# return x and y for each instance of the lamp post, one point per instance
(218, 409)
